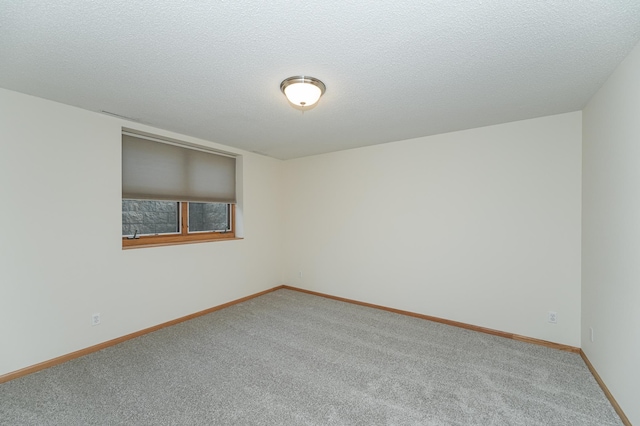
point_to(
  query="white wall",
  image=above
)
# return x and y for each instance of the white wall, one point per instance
(611, 234)
(480, 226)
(60, 247)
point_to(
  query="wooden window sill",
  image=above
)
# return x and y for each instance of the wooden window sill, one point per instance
(171, 241)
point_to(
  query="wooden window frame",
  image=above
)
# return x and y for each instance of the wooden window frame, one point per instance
(184, 237)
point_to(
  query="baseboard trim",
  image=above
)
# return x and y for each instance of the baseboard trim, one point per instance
(606, 391)
(86, 351)
(95, 348)
(512, 336)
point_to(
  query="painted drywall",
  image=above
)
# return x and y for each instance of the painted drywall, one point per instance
(60, 252)
(480, 226)
(611, 234)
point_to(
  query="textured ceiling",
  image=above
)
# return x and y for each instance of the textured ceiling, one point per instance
(393, 70)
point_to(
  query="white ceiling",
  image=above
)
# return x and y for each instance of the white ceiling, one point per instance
(393, 70)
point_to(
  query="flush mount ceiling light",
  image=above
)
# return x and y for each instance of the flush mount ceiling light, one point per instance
(302, 91)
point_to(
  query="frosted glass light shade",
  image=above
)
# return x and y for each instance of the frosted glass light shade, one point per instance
(302, 91)
(302, 94)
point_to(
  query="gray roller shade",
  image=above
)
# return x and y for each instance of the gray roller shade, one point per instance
(153, 170)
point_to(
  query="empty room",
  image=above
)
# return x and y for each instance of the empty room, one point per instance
(320, 212)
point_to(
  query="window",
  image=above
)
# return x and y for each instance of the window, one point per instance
(174, 194)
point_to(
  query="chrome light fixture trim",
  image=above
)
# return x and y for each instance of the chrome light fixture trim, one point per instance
(303, 91)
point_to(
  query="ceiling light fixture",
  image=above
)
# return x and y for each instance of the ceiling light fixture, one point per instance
(302, 91)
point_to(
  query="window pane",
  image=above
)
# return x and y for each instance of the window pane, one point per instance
(208, 217)
(150, 217)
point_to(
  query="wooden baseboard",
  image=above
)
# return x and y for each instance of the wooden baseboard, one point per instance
(540, 342)
(104, 345)
(82, 352)
(604, 388)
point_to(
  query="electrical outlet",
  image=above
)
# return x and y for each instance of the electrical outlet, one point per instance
(591, 330)
(95, 319)
(300, 274)
(553, 317)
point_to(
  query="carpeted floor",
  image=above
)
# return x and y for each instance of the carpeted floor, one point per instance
(288, 358)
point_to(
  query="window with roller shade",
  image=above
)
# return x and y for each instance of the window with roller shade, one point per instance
(175, 193)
